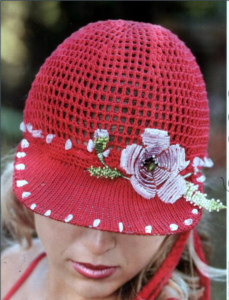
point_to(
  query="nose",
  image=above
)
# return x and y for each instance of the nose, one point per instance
(99, 242)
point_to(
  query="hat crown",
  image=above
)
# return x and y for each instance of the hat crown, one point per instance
(122, 76)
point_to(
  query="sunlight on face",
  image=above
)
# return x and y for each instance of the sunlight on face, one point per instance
(66, 245)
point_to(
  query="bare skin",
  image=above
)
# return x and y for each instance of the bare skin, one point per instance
(56, 279)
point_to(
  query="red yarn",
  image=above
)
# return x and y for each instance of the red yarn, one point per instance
(122, 76)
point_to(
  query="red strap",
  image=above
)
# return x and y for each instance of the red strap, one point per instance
(204, 281)
(24, 276)
(160, 278)
(164, 272)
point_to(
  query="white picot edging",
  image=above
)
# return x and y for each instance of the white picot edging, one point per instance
(37, 134)
(96, 223)
(29, 127)
(90, 145)
(68, 218)
(21, 183)
(20, 154)
(24, 143)
(22, 127)
(188, 222)
(120, 225)
(25, 195)
(148, 229)
(33, 206)
(20, 167)
(47, 213)
(49, 138)
(173, 227)
(202, 178)
(106, 153)
(68, 144)
(195, 211)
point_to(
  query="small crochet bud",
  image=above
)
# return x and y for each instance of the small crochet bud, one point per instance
(100, 144)
(101, 139)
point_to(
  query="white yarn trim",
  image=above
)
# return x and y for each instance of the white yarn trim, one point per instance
(206, 162)
(188, 222)
(96, 222)
(25, 194)
(173, 227)
(37, 134)
(20, 154)
(21, 183)
(195, 211)
(29, 127)
(120, 225)
(49, 138)
(106, 153)
(47, 213)
(202, 178)
(148, 229)
(32, 206)
(20, 167)
(24, 143)
(68, 218)
(90, 146)
(68, 145)
(22, 127)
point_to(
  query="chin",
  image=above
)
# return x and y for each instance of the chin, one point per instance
(95, 289)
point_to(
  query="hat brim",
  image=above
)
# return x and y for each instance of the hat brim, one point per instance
(69, 194)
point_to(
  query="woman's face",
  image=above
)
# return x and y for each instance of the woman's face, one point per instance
(90, 263)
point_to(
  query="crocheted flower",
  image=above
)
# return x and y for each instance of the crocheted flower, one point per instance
(155, 168)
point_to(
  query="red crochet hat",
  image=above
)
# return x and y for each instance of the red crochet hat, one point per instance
(115, 132)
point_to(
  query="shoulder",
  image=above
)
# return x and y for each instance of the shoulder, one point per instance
(15, 260)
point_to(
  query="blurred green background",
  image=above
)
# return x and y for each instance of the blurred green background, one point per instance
(31, 30)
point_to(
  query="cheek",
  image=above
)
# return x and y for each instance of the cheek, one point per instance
(141, 251)
(53, 237)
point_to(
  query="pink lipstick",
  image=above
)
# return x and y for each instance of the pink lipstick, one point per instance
(93, 271)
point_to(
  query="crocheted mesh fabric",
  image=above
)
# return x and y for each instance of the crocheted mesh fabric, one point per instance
(121, 76)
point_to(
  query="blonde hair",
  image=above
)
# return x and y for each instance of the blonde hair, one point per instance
(18, 223)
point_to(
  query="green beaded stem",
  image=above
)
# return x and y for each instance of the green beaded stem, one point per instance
(197, 198)
(100, 145)
(100, 157)
(106, 172)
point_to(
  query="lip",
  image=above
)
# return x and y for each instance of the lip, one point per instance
(93, 271)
